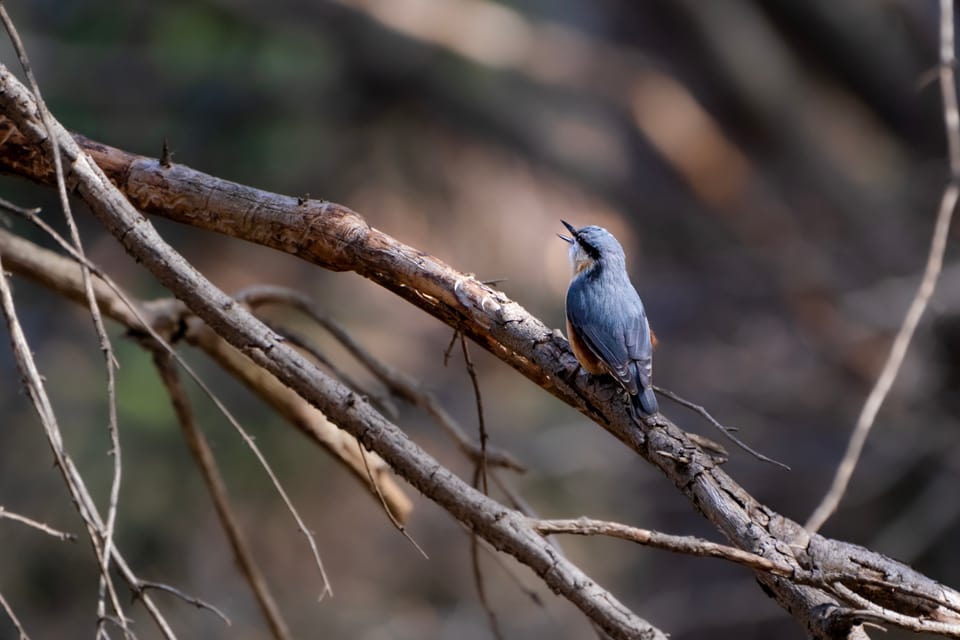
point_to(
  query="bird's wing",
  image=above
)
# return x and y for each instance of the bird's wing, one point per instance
(604, 329)
(640, 344)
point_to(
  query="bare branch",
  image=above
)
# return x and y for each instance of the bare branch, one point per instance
(948, 86)
(343, 406)
(205, 461)
(216, 400)
(337, 238)
(678, 544)
(393, 519)
(479, 482)
(197, 602)
(62, 275)
(725, 430)
(938, 245)
(327, 588)
(878, 614)
(481, 423)
(481, 587)
(105, 345)
(213, 397)
(75, 485)
(690, 545)
(36, 525)
(395, 380)
(13, 618)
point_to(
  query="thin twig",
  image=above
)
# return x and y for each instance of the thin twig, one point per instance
(327, 588)
(472, 372)
(690, 545)
(398, 382)
(948, 86)
(938, 245)
(13, 618)
(396, 523)
(509, 570)
(882, 614)
(105, 345)
(479, 478)
(197, 602)
(679, 544)
(307, 533)
(37, 392)
(302, 342)
(449, 350)
(481, 588)
(17, 209)
(725, 430)
(205, 461)
(55, 271)
(36, 525)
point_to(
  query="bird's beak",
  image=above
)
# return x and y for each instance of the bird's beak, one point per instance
(571, 229)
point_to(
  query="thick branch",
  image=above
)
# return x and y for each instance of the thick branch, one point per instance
(336, 238)
(63, 276)
(504, 528)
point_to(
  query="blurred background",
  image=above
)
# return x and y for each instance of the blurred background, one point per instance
(772, 168)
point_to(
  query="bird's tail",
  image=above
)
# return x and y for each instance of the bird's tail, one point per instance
(646, 401)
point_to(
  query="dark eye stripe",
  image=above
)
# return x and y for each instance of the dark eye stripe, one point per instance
(591, 250)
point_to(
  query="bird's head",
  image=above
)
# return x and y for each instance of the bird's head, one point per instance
(591, 245)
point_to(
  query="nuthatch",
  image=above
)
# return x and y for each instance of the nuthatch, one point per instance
(606, 323)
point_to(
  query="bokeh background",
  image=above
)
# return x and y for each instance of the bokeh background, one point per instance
(772, 168)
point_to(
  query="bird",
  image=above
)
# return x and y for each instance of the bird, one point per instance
(606, 322)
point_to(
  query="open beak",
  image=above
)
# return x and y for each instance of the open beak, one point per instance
(571, 229)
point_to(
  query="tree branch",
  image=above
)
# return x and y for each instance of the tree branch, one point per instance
(167, 316)
(337, 238)
(505, 528)
(207, 464)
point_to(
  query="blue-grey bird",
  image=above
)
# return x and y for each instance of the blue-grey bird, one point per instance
(606, 322)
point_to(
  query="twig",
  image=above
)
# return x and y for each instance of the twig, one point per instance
(144, 585)
(513, 335)
(472, 372)
(263, 347)
(449, 350)
(395, 380)
(882, 614)
(948, 86)
(41, 402)
(36, 525)
(105, 345)
(327, 588)
(509, 570)
(13, 618)
(17, 209)
(206, 463)
(383, 503)
(268, 469)
(307, 418)
(725, 430)
(479, 478)
(302, 342)
(678, 544)
(163, 316)
(948, 203)
(480, 586)
(690, 545)
(136, 316)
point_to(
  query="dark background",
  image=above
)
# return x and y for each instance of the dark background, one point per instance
(772, 168)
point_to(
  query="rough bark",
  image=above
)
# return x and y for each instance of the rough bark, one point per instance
(334, 237)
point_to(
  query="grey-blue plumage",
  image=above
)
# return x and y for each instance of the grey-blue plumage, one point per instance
(606, 315)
